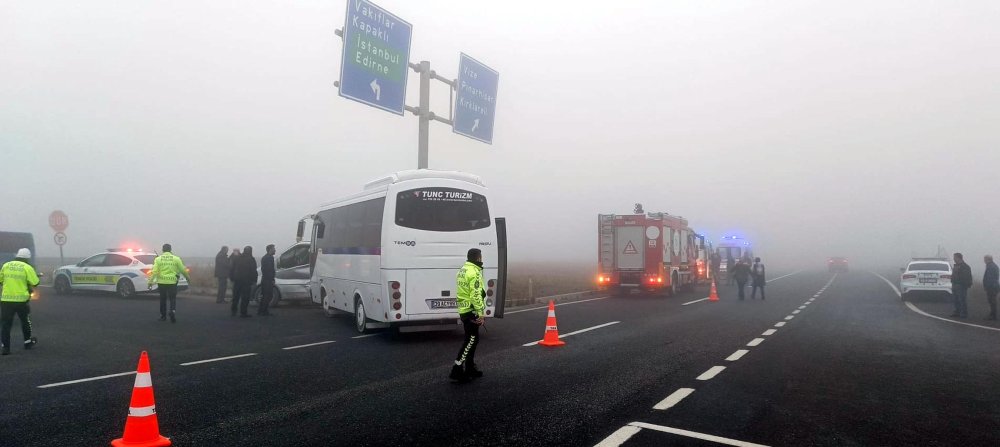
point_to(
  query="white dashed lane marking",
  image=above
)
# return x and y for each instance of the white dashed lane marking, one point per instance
(789, 317)
(779, 324)
(737, 355)
(710, 373)
(89, 379)
(219, 359)
(673, 399)
(309, 344)
(755, 342)
(769, 332)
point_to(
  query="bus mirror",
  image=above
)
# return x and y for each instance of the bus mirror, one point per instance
(300, 231)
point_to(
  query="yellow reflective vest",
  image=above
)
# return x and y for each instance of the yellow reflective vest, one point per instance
(166, 269)
(470, 290)
(17, 277)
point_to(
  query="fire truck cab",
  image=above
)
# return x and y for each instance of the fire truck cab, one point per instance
(647, 252)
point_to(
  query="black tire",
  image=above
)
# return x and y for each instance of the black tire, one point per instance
(62, 286)
(360, 319)
(125, 288)
(258, 295)
(673, 284)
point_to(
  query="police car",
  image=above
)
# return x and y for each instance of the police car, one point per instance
(123, 271)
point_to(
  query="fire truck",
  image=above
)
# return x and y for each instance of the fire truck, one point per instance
(647, 252)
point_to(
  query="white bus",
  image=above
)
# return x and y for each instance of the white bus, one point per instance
(390, 254)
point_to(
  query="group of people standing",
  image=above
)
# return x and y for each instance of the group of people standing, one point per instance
(961, 282)
(742, 272)
(241, 268)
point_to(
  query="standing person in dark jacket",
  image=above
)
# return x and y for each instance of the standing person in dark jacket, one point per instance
(991, 282)
(741, 273)
(244, 277)
(961, 281)
(222, 273)
(266, 282)
(758, 272)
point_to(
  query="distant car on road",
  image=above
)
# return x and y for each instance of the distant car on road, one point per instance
(925, 275)
(837, 264)
(120, 270)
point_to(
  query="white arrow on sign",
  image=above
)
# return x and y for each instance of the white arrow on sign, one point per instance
(376, 89)
(475, 125)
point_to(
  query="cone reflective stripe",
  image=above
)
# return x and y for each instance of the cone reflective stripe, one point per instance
(141, 426)
(551, 331)
(713, 294)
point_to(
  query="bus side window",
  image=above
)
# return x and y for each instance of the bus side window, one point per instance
(320, 230)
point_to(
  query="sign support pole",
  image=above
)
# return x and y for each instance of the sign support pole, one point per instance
(61, 260)
(425, 109)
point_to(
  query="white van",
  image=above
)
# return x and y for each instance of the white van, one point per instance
(390, 254)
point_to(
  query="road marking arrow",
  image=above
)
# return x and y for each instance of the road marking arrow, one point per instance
(376, 89)
(475, 125)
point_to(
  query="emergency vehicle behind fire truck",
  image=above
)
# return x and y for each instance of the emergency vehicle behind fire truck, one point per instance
(646, 252)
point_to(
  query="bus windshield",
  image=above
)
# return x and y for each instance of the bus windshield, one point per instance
(441, 209)
(11, 242)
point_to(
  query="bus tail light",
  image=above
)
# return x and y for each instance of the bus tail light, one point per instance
(396, 288)
(491, 285)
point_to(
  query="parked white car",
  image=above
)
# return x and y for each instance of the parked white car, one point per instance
(925, 275)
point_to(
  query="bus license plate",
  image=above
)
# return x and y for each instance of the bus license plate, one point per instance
(443, 304)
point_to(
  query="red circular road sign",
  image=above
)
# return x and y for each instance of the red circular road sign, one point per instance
(58, 220)
(59, 238)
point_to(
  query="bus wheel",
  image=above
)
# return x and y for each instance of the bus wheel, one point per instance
(673, 284)
(62, 286)
(360, 319)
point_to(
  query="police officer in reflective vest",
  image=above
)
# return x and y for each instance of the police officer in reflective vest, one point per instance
(17, 278)
(167, 271)
(471, 305)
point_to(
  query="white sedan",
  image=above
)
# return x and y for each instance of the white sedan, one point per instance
(925, 275)
(122, 271)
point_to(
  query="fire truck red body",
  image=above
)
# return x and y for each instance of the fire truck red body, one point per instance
(651, 252)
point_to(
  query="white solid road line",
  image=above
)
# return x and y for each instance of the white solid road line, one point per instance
(916, 309)
(710, 373)
(561, 336)
(310, 344)
(673, 399)
(779, 324)
(557, 304)
(755, 342)
(619, 437)
(769, 332)
(695, 301)
(218, 359)
(90, 379)
(696, 435)
(737, 355)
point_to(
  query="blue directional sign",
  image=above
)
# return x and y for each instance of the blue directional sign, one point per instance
(476, 102)
(373, 67)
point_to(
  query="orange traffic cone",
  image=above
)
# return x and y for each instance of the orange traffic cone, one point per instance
(141, 428)
(713, 295)
(551, 331)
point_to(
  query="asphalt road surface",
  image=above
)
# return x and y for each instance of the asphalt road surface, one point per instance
(826, 360)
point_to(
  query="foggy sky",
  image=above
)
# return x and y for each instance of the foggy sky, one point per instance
(815, 128)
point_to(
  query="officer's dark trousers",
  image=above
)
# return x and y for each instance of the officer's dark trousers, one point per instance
(167, 292)
(742, 285)
(961, 306)
(467, 354)
(757, 285)
(7, 312)
(991, 297)
(220, 295)
(266, 295)
(241, 296)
